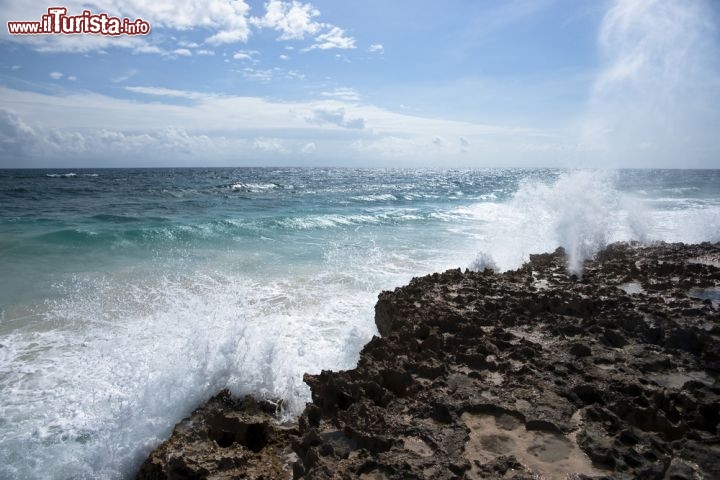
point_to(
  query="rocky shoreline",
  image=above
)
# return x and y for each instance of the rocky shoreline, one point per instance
(526, 374)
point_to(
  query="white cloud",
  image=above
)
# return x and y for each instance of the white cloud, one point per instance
(441, 143)
(69, 43)
(342, 58)
(228, 36)
(376, 48)
(150, 49)
(167, 92)
(183, 52)
(343, 93)
(269, 145)
(72, 78)
(335, 38)
(221, 112)
(464, 144)
(217, 125)
(203, 51)
(284, 57)
(16, 136)
(309, 148)
(228, 21)
(293, 20)
(126, 76)
(245, 54)
(20, 139)
(294, 75)
(56, 75)
(258, 75)
(324, 116)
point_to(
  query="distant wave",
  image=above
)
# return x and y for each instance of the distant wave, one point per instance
(108, 231)
(336, 220)
(70, 175)
(61, 175)
(254, 187)
(385, 197)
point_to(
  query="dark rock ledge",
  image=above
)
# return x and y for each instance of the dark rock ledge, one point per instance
(527, 374)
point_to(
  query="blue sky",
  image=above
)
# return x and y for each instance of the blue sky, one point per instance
(594, 83)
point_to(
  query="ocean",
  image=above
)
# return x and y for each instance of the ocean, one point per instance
(128, 297)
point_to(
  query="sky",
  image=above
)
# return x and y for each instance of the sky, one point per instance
(377, 83)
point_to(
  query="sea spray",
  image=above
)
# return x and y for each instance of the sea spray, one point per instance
(650, 100)
(581, 211)
(120, 363)
(483, 261)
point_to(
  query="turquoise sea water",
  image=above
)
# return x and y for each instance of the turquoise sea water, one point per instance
(127, 297)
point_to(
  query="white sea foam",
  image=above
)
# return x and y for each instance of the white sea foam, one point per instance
(483, 262)
(384, 197)
(61, 175)
(124, 361)
(581, 211)
(338, 220)
(253, 187)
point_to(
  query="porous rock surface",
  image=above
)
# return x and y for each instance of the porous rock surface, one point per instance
(528, 374)
(226, 439)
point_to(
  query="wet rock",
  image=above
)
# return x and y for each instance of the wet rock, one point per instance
(580, 350)
(525, 374)
(225, 439)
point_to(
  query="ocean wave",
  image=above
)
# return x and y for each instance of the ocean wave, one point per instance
(108, 230)
(385, 197)
(486, 196)
(61, 175)
(581, 211)
(94, 390)
(70, 175)
(70, 237)
(113, 238)
(327, 221)
(336, 220)
(253, 187)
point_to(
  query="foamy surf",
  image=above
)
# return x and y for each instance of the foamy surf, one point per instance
(253, 187)
(114, 365)
(582, 212)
